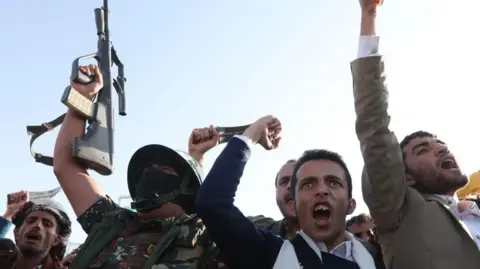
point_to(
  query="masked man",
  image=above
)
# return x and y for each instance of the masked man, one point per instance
(41, 233)
(163, 233)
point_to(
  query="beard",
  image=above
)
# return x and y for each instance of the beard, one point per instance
(437, 182)
(31, 251)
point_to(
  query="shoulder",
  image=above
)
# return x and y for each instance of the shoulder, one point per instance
(260, 221)
(103, 208)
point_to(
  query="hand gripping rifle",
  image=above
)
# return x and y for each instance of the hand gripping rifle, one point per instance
(95, 150)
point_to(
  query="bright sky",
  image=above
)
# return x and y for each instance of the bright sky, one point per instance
(194, 63)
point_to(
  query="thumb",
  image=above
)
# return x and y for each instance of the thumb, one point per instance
(191, 138)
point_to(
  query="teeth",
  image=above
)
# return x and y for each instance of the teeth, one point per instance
(321, 207)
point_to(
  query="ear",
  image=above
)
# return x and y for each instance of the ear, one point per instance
(410, 180)
(58, 240)
(352, 204)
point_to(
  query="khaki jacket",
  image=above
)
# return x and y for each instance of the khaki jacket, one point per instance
(415, 232)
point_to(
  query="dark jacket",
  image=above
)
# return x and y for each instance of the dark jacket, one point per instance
(236, 236)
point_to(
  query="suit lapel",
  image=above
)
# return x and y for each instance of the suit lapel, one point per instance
(453, 212)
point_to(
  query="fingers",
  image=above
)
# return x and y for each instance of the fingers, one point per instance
(213, 131)
(16, 197)
(92, 70)
(203, 134)
(98, 75)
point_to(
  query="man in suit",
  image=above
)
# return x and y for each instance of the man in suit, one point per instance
(409, 186)
(322, 196)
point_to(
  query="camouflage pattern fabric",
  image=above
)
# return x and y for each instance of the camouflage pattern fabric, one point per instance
(132, 249)
(269, 224)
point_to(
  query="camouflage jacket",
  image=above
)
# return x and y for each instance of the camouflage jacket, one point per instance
(269, 224)
(136, 243)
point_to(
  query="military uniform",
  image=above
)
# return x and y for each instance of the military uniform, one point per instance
(136, 244)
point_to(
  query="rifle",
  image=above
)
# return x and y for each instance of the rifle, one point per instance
(94, 150)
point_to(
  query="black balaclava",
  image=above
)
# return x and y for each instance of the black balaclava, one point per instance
(156, 186)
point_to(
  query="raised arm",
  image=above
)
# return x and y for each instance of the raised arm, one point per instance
(383, 179)
(80, 188)
(235, 235)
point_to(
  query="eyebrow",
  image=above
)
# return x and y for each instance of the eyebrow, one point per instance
(426, 144)
(423, 144)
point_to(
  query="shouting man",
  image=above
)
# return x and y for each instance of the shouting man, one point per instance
(321, 193)
(409, 187)
(41, 233)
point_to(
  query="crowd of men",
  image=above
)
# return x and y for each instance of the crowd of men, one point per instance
(185, 220)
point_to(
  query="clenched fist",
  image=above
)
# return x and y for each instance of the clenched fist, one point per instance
(202, 140)
(91, 89)
(265, 131)
(369, 7)
(15, 201)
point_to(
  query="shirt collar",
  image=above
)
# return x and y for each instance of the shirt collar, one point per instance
(343, 249)
(451, 200)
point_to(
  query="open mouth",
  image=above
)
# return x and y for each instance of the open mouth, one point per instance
(288, 198)
(322, 212)
(33, 236)
(448, 163)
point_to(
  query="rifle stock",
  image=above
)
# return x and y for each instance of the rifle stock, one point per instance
(95, 150)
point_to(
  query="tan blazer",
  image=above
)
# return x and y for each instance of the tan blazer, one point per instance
(415, 232)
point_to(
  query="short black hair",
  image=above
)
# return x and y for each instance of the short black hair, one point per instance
(358, 219)
(276, 177)
(417, 134)
(320, 154)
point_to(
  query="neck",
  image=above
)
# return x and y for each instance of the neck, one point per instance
(291, 227)
(162, 214)
(331, 244)
(24, 262)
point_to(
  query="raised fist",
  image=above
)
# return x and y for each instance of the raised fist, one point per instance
(202, 140)
(15, 201)
(89, 90)
(265, 131)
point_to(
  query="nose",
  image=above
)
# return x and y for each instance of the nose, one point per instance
(289, 184)
(322, 188)
(37, 225)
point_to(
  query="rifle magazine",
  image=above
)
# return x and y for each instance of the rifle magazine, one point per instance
(79, 103)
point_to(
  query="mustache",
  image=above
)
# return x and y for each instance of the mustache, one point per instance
(288, 197)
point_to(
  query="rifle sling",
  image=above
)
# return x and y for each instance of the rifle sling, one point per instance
(38, 130)
(162, 246)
